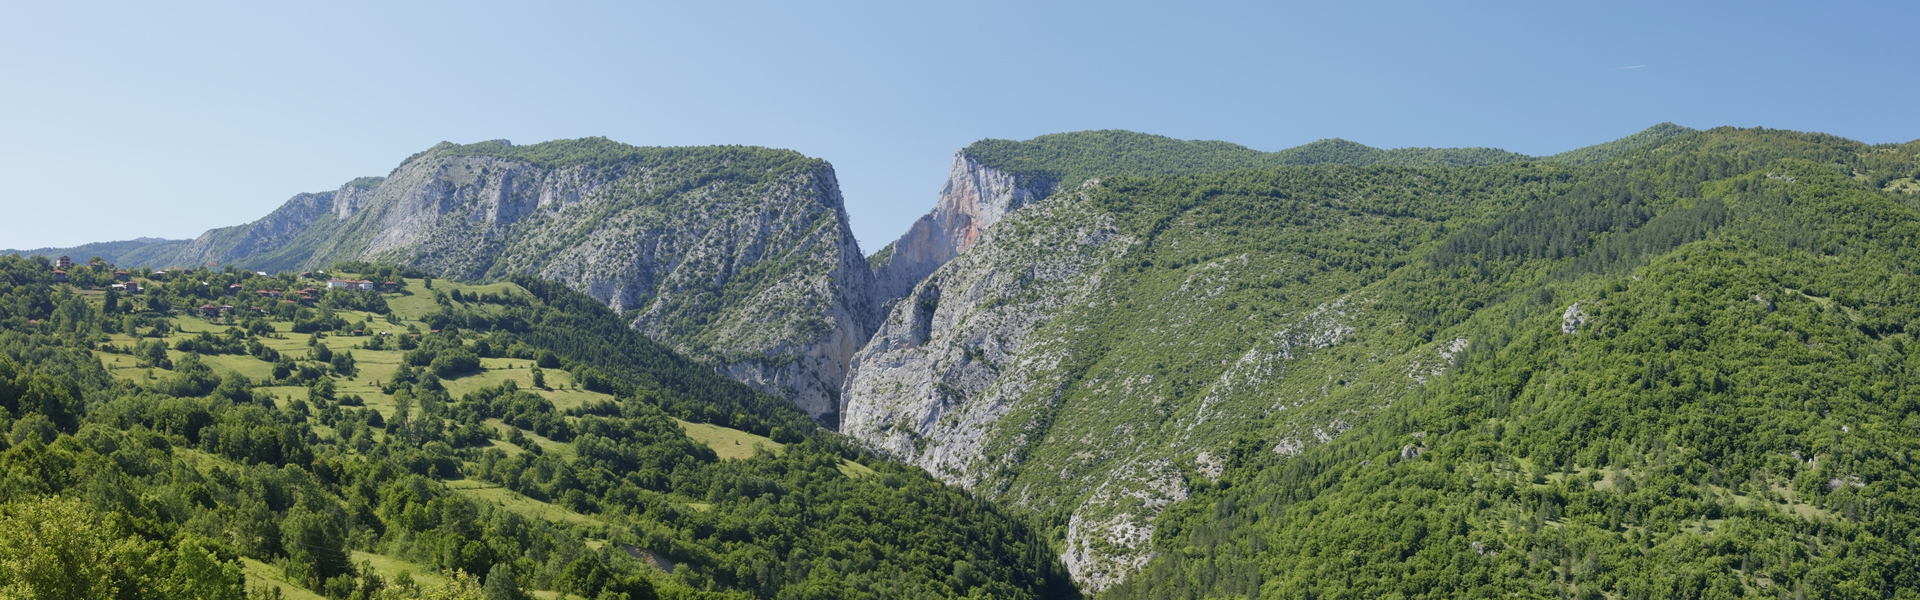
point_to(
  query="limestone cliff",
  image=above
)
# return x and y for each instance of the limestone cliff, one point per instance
(738, 256)
(975, 197)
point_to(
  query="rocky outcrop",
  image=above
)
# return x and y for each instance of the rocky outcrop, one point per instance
(975, 197)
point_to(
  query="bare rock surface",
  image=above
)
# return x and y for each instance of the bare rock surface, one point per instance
(975, 197)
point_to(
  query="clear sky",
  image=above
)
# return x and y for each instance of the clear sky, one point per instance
(146, 119)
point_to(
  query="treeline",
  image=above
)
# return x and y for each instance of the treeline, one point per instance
(1065, 160)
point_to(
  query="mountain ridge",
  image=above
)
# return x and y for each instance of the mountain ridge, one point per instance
(988, 180)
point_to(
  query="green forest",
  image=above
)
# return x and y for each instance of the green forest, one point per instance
(1687, 377)
(223, 434)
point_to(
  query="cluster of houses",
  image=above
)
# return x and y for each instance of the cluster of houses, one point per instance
(306, 296)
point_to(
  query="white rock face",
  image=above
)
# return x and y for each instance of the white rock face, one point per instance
(953, 356)
(974, 198)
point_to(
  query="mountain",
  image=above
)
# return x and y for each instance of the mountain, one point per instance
(1671, 365)
(736, 256)
(739, 257)
(975, 197)
(992, 178)
(1597, 153)
(138, 252)
(288, 238)
(1158, 366)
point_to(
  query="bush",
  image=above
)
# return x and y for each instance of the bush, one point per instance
(454, 363)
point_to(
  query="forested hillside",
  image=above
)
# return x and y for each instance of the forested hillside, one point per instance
(220, 434)
(1217, 381)
(1684, 376)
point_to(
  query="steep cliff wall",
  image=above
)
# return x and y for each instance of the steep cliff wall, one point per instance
(975, 197)
(1094, 355)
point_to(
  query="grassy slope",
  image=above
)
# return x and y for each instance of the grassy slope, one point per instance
(374, 365)
(377, 365)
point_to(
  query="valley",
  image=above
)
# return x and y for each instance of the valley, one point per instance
(1105, 363)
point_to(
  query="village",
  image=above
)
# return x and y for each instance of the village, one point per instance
(251, 293)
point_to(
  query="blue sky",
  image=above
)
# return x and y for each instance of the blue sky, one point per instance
(124, 120)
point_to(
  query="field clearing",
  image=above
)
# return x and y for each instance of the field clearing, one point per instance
(124, 366)
(734, 444)
(727, 442)
(519, 503)
(520, 371)
(546, 445)
(250, 367)
(854, 470)
(261, 574)
(389, 568)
